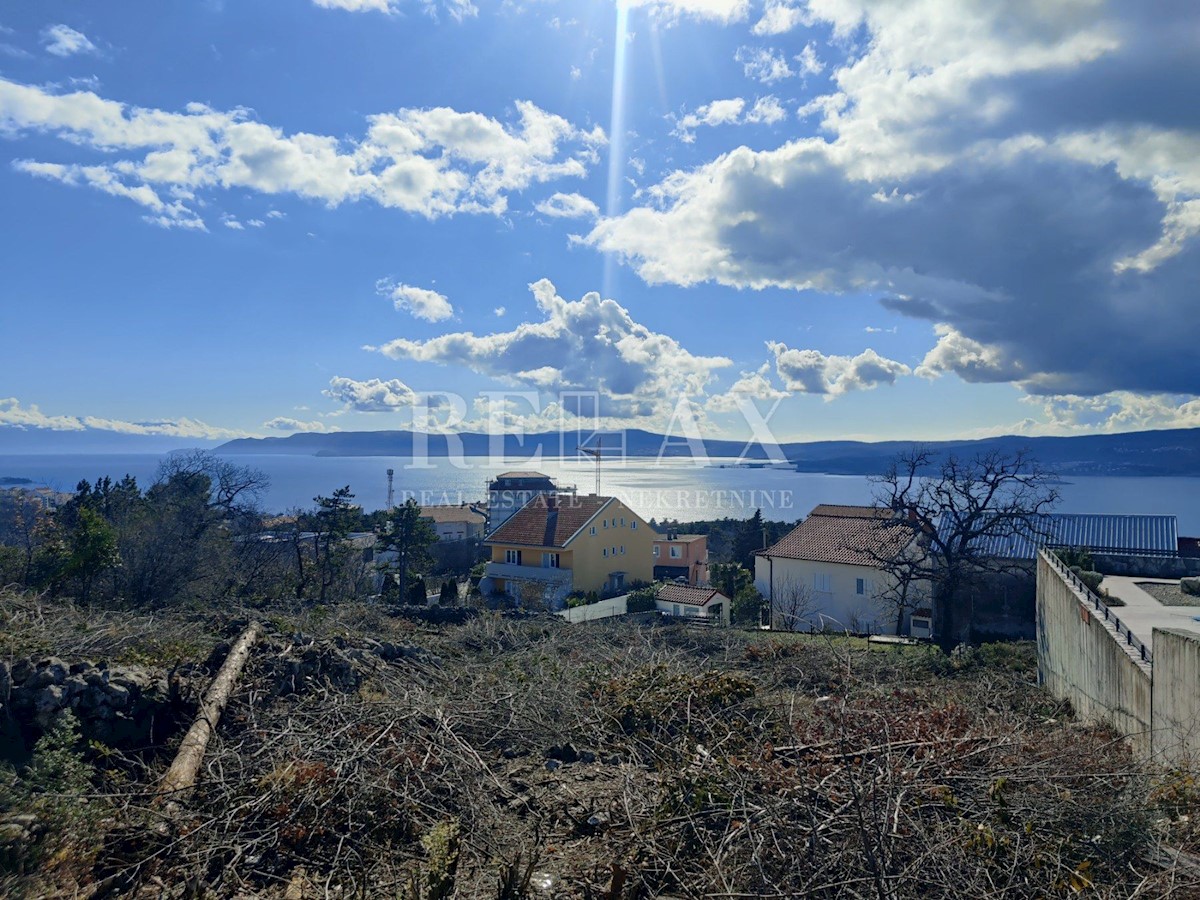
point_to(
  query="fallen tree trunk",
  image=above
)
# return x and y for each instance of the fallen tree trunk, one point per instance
(182, 774)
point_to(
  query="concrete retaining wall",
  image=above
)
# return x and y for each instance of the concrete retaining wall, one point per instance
(1080, 659)
(1176, 696)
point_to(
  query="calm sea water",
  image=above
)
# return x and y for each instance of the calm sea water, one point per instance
(677, 489)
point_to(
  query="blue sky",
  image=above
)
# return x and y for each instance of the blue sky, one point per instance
(865, 218)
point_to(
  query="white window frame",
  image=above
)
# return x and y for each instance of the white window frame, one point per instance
(676, 552)
(512, 557)
(822, 582)
(656, 549)
(550, 560)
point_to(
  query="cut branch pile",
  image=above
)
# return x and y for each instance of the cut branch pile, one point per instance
(525, 758)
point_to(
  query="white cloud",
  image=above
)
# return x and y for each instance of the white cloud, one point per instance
(62, 40)
(724, 11)
(371, 396)
(580, 345)
(568, 206)
(13, 414)
(284, 423)
(431, 162)
(766, 110)
(809, 63)
(763, 64)
(499, 311)
(420, 302)
(169, 214)
(970, 360)
(457, 9)
(576, 73)
(812, 372)
(779, 16)
(1021, 175)
(1117, 411)
(750, 386)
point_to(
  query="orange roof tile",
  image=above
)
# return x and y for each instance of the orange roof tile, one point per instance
(682, 593)
(852, 535)
(548, 520)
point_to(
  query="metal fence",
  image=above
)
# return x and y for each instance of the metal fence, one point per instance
(1123, 632)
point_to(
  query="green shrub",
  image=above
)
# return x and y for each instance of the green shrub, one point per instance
(641, 600)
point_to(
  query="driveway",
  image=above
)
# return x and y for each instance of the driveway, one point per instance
(1142, 613)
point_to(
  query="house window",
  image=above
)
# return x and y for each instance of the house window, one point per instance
(656, 549)
(676, 552)
(633, 524)
(622, 521)
(513, 557)
(592, 530)
(606, 551)
(860, 585)
(549, 560)
(822, 582)
(622, 549)
(606, 523)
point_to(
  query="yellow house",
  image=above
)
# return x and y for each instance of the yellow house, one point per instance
(559, 543)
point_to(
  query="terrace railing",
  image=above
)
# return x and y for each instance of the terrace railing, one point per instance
(1093, 599)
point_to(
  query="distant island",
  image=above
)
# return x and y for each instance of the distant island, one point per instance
(13, 481)
(1173, 452)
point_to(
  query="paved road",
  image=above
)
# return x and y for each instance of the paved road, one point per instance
(1142, 613)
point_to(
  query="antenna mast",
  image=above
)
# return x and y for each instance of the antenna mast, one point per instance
(597, 453)
(391, 494)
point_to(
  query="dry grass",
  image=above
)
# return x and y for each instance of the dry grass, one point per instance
(509, 758)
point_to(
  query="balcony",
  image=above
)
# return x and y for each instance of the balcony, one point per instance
(513, 572)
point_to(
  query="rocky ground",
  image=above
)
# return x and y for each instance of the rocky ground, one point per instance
(365, 754)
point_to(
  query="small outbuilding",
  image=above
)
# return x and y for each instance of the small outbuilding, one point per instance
(685, 601)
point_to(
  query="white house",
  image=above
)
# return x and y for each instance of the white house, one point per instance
(824, 573)
(687, 601)
(455, 523)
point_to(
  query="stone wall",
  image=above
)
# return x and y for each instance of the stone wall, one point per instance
(123, 706)
(1147, 566)
(1081, 659)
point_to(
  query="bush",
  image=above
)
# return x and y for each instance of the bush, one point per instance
(1091, 578)
(641, 600)
(1076, 557)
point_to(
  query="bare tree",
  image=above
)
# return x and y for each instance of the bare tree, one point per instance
(792, 606)
(954, 507)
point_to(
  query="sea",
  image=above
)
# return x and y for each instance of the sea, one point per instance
(682, 489)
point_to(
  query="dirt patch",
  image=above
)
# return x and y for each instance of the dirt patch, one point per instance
(1168, 594)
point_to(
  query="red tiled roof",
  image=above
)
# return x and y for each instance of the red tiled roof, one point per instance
(843, 534)
(854, 512)
(548, 520)
(682, 593)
